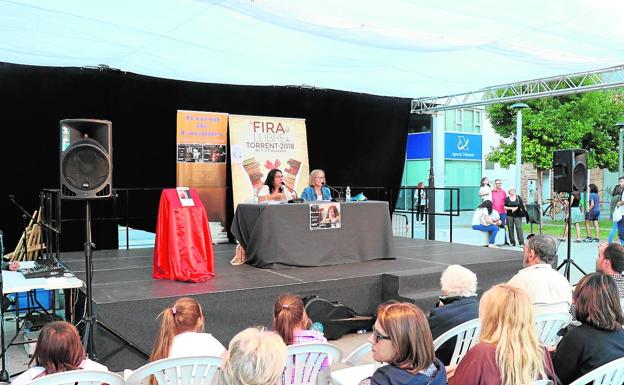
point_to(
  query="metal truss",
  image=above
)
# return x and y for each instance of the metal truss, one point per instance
(612, 77)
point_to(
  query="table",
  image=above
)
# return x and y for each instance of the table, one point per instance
(14, 282)
(183, 247)
(276, 235)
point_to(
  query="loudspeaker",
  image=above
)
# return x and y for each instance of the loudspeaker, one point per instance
(534, 213)
(570, 170)
(86, 154)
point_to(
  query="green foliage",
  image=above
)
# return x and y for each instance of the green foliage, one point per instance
(573, 121)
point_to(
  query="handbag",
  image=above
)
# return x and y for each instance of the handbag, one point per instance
(617, 214)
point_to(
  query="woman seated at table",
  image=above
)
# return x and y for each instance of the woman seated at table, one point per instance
(401, 337)
(508, 352)
(316, 191)
(58, 350)
(274, 188)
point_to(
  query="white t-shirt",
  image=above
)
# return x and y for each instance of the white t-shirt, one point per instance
(35, 371)
(191, 344)
(478, 214)
(544, 285)
(264, 191)
(486, 193)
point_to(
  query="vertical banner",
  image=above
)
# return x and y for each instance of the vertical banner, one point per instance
(201, 157)
(259, 144)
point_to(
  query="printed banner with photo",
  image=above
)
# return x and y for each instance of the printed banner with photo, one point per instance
(201, 156)
(325, 216)
(259, 144)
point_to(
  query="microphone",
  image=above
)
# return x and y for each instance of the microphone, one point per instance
(339, 199)
(11, 197)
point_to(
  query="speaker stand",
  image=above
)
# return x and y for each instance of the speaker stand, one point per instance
(89, 320)
(569, 261)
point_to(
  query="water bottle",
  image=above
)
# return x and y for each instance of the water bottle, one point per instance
(348, 194)
(361, 331)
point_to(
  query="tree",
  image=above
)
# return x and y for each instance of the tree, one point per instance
(584, 120)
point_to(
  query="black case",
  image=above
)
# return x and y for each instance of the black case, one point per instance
(337, 319)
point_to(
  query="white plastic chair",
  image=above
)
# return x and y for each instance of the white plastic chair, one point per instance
(467, 336)
(543, 382)
(611, 373)
(547, 326)
(356, 356)
(304, 362)
(355, 374)
(80, 377)
(178, 371)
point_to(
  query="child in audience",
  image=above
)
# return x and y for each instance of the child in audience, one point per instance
(182, 334)
(256, 357)
(509, 352)
(401, 337)
(58, 350)
(600, 338)
(291, 322)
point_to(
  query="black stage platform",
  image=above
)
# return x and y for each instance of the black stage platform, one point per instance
(128, 299)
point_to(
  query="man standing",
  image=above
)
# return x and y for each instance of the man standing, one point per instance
(610, 262)
(545, 285)
(498, 203)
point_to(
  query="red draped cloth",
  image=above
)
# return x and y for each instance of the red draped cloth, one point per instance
(183, 249)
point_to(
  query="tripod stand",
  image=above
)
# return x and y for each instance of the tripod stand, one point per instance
(569, 261)
(89, 319)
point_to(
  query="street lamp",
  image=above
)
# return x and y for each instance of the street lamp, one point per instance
(519, 107)
(620, 125)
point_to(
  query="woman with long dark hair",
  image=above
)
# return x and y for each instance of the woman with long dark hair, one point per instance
(486, 219)
(275, 189)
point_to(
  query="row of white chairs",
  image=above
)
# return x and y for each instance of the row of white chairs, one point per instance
(303, 364)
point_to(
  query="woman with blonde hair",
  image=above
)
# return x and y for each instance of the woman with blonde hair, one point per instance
(256, 357)
(401, 337)
(316, 190)
(509, 352)
(182, 334)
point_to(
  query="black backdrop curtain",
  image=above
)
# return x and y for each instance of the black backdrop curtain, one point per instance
(358, 139)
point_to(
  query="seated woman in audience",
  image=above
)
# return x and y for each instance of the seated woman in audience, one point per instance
(274, 188)
(509, 352)
(401, 337)
(458, 304)
(256, 357)
(600, 337)
(316, 190)
(182, 334)
(58, 350)
(291, 322)
(486, 219)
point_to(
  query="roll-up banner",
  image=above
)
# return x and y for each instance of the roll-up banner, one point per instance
(201, 157)
(259, 144)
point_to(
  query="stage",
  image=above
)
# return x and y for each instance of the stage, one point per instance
(128, 299)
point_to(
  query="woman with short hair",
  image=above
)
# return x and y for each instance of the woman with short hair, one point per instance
(58, 350)
(316, 190)
(508, 352)
(600, 337)
(256, 357)
(401, 338)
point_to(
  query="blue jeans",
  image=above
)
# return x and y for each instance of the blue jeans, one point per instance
(614, 228)
(493, 229)
(620, 227)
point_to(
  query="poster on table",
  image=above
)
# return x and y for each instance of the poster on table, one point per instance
(259, 144)
(201, 153)
(325, 216)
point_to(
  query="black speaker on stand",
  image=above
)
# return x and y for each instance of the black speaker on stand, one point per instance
(86, 154)
(569, 175)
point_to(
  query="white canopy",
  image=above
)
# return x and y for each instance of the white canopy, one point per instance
(384, 47)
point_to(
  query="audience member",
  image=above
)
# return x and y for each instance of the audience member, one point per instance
(484, 219)
(58, 350)
(593, 214)
(616, 198)
(401, 337)
(274, 188)
(182, 334)
(509, 352)
(458, 304)
(256, 357)
(545, 285)
(316, 190)
(600, 337)
(485, 190)
(610, 261)
(516, 211)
